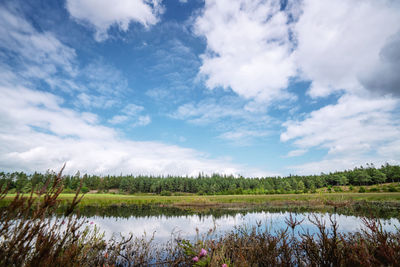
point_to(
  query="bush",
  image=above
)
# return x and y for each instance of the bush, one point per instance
(362, 189)
(337, 189)
(313, 189)
(68, 190)
(84, 189)
(391, 188)
(374, 189)
(166, 193)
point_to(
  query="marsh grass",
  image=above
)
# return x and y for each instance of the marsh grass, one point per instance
(214, 200)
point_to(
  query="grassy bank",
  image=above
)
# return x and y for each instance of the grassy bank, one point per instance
(195, 200)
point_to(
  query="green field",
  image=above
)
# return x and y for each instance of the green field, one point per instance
(195, 200)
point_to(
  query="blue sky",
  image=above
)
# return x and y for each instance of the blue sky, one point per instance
(180, 87)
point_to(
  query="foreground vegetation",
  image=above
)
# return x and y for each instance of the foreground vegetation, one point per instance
(29, 236)
(356, 180)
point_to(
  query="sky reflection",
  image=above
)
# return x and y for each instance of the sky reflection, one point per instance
(163, 226)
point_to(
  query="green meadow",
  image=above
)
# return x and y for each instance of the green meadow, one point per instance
(104, 199)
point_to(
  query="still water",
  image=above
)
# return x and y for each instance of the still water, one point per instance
(185, 225)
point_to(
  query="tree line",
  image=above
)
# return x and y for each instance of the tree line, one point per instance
(207, 184)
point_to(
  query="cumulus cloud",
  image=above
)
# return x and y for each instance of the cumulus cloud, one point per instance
(255, 47)
(339, 42)
(351, 47)
(248, 48)
(38, 133)
(102, 14)
(349, 130)
(384, 78)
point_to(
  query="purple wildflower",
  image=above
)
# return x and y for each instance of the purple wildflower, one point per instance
(224, 265)
(195, 259)
(203, 253)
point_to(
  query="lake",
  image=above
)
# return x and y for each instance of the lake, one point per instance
(165, 221)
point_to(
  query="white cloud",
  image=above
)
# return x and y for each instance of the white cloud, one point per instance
(211, 111)
(338, 164)
(338, 45)
(39, 54)
(132, 109)
(339, 41)
(41, 57)
(131, 115)
(353, 130)
(90, 100)
(102, 14)
(248, 48)
(347, 46)
(296, 153)
(142, 121)
(230, 116)
(384, 77)
(158, 94)
(38, 133)
(244, 136)
(103, 78)
(241, 134)
(117, 119)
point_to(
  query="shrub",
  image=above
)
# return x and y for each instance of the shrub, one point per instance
(337, 189)
(362, 189)
(165, 193)
(391, 188)
(84, 189)
(68, 190)
(313, 189)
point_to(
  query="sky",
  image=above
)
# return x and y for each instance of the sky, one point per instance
(182, 87)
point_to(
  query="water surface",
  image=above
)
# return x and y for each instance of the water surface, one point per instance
(186, 225)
